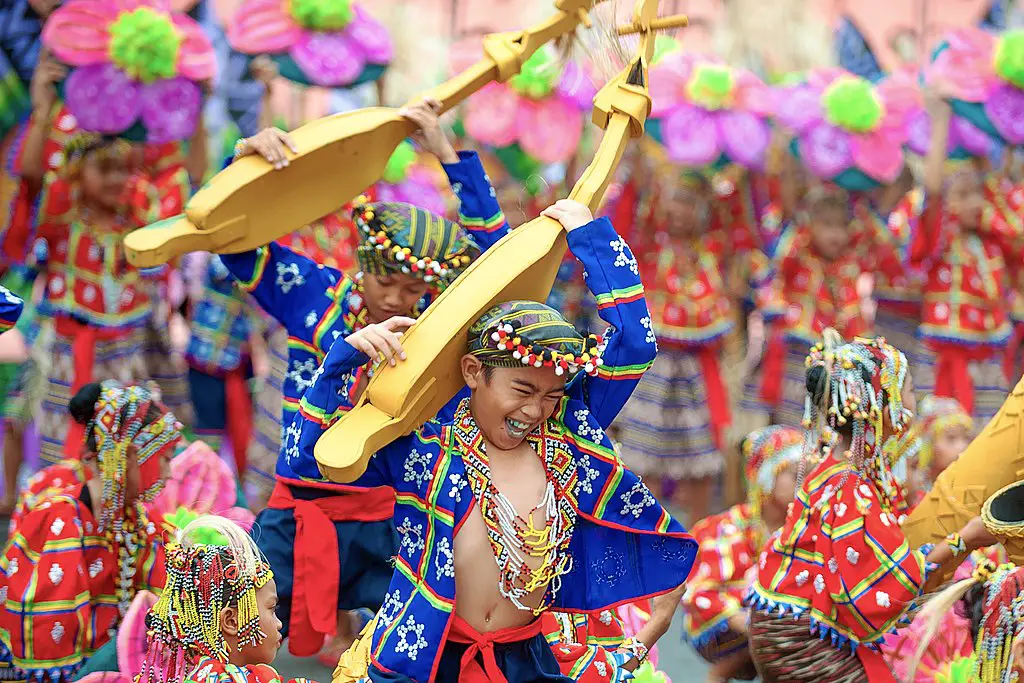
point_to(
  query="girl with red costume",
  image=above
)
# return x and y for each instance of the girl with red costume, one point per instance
(79, 556)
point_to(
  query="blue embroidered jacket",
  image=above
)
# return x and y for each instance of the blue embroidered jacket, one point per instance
(221, 323)
(623, 546)
(11, 307)
(317, 304)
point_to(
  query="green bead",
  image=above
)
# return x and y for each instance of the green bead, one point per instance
(852, 104)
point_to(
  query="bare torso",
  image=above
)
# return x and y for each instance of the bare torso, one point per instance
(520, 476)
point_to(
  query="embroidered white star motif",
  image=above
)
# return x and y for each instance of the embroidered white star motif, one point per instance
(646, 322)
(702, 602)
(882, 598)
(56, 574)
(852, 556)
(417, 468)
(57, 632)
(605, 617)
(636, 500)
(288, 276)
(833, 566)
(802, 577)
(458, 483)
(410, 646)
(302, 373)
(291, 442)
(95, 568)
(623, 256)
(444, 561)
(819, 583)
(586, 474)
(311, 318)
(57, 526)
(391, 607)
(412, 536)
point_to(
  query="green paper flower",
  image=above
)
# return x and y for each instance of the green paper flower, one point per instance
(399, 164)
(538, 76)
(852, 104)
(144, 43)
(1010, 57)
(711, 86)
(182, 517)
(663, 45)
(322, 15)
(648, 674)
(958, 671)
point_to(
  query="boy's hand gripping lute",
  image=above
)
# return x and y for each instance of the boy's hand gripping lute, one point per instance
(522, 265)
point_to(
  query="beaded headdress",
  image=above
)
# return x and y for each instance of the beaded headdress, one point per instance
(935, 416)
(768, 451)
(1002, 624)
(527, 333)
(204, 578)
(122, 420)
(398, 237)
(863, 379)
(82, 145)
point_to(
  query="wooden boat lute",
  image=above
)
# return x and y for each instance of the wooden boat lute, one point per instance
(521, 266)
(250, 204)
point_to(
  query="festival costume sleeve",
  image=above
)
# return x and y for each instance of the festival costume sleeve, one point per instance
(48, 623)
(613, 276)
(715, 593)
(321, 406)
(11, 307)
(916, 226)
(278, 277)
(209, 670)
(479, 212)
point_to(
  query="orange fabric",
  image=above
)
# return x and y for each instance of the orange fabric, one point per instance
(483, 643)
(317, 565)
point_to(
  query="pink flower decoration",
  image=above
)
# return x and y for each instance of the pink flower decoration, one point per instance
(202, 482)
(419, 188)
(329, 57)
(845, 129)
(705, 111)
(113, 86)
(548, 128)
(983, 76)
(132, 643)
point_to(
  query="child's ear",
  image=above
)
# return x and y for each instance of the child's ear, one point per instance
(229, 621)
(472, 371)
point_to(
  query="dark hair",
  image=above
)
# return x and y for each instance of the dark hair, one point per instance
(83, 410)
(488, 373)
(816, 384)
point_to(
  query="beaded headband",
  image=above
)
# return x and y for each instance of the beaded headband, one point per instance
(402, 237)
(184, 625)
(527, 333)
(768, 451)
(864, 378)
(121, 422)
(935, 416)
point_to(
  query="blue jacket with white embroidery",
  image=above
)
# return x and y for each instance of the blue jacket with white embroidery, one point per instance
(318, 304)
(623, 545)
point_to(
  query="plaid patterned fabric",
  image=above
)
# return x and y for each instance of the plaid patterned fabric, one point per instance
(58, 580)
(318, 304)
(624, 546)
(221, 323)
(841, 558)
(728, 548)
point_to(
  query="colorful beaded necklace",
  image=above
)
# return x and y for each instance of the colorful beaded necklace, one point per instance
(515, 538)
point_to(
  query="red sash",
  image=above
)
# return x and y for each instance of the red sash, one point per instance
(483, 643)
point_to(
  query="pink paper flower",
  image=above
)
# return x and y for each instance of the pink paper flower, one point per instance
(541, 109)
(705, 111)
(331, 43)
(984, 75)
(203, 483)
(136, 65)
(846, 130)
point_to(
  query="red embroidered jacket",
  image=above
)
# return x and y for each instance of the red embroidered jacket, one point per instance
(729, 543)
(842, 557)
(59, 583)
(967, 275)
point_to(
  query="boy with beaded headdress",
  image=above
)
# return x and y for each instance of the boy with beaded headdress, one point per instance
(841, 569)
(715, 620)
(407, 255)
(480, 558)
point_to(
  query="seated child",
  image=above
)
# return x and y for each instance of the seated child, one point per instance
(215, 619)
(519, 504)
